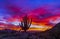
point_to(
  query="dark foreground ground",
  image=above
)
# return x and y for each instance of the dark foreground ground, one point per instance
(53, 33)
(10, 34)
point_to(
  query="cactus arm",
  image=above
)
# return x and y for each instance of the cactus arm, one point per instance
(30, 22)
(21, 24)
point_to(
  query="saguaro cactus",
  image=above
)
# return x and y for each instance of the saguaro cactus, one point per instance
(25, 23)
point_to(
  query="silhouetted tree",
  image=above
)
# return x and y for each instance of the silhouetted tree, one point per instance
(25, 23)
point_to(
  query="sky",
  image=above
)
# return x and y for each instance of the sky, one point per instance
(42, 12)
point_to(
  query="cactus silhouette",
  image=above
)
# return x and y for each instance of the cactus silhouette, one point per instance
(25, 23)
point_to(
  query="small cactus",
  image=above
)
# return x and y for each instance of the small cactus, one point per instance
(26, 23)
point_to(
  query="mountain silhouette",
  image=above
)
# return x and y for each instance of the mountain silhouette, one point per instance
(53, 33)
(56, 31)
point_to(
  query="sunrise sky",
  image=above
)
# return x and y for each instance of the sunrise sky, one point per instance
(44, 13)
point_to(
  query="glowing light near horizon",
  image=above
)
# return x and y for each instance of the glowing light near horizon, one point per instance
(37, 26)
(3, 22)
(57, 20)
(16, 22)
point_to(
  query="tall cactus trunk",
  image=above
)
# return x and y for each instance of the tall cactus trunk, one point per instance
(26, 23)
